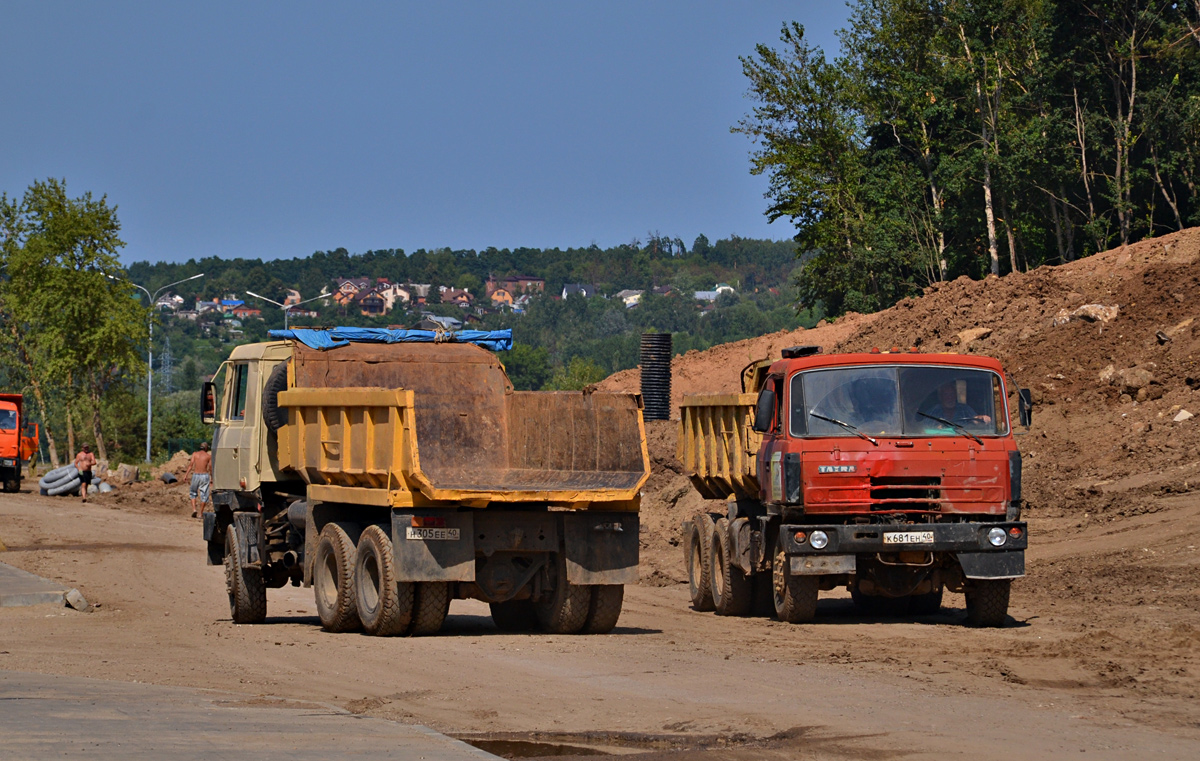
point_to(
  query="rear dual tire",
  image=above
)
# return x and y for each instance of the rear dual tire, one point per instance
(732, 590)
(357, 585)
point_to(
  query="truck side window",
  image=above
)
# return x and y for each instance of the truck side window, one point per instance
(796, 403)
(777, 384)
(237, 400)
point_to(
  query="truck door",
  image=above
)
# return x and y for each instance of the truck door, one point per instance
(233, 442)
(770, 453)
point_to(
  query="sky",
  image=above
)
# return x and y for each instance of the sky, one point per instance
(269, 130)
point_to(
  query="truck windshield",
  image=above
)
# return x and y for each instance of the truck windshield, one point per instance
(904, 400)
(8, 420)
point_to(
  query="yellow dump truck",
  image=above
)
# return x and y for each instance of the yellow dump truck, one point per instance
(394, 477)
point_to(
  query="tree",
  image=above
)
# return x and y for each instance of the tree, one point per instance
(73, 326)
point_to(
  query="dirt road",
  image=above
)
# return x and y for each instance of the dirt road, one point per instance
(1072, 673)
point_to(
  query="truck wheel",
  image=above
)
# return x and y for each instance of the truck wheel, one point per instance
(385, 606)
(698, 547)
(247, 593)
(273, 415)
(333, 580)
(795, 596)
(987, 602)
(732, 592)
(565, 611)
(605, 608)
(430, 607)
(514, 616)
(926, 604)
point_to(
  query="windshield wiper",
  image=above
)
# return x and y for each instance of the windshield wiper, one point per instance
(847, 426)
(953, 425)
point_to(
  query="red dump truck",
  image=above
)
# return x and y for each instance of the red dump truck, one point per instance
(893, 474)
(11, 455)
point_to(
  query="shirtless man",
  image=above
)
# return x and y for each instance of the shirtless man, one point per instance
(200, 467)
(84, 462)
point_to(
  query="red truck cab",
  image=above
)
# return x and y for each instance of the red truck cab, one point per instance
(10, 441)
(894, 474)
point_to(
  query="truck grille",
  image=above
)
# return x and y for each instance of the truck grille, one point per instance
(906, 493)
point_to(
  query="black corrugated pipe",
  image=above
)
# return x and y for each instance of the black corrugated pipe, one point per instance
(656, 376)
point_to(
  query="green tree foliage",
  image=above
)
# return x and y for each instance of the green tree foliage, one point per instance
(579, 373)
(971, 137)
(528, 367)
(72, 328)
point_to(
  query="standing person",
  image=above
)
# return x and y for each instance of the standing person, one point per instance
(199, 466)
(84, 462)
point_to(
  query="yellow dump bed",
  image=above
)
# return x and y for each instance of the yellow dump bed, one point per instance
(717, 445)
(435, 424)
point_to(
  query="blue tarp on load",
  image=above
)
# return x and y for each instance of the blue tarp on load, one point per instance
(494, 340)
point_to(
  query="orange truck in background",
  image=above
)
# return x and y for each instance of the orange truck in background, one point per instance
(11, 441)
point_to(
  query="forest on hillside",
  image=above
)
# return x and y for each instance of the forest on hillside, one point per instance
(975, 137)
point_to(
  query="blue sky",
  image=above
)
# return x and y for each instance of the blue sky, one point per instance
(278, 129)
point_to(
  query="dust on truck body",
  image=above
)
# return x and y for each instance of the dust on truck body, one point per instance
(895, 475)
(393, 478)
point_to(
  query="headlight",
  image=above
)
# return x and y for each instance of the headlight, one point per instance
(818, 540)
(997, 537)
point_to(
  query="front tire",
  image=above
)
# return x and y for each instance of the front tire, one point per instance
(732, 592)
(698, 548)
(247, 593)
(795, 596)
(333, 580)
(385, 606)
(987, 602)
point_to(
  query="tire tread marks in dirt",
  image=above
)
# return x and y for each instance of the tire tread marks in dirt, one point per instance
(385, 606)
(333, 580)
(247, 592)
(732, 592)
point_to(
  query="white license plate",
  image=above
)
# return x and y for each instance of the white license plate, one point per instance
(908, 537)
(424, 534)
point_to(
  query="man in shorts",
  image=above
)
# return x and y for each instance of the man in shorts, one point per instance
(84, 462)
(200, 468)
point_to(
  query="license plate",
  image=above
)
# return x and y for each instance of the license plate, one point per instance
(437, 534)
(9, 463)
(908, 537)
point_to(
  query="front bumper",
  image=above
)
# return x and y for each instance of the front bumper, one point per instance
(968, 542)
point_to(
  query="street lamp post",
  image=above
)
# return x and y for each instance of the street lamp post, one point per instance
(150, 350)
(287, 308)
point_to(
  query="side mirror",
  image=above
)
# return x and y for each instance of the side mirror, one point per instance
(1024, 407)
(764, 411)
(208, 403)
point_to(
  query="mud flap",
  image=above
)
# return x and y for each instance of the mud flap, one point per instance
(601, 548)
(429, 553)
(251, 549)
(993, 565)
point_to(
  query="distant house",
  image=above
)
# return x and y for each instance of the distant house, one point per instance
(203, 306)
(715, 293)
(661, 290)
(187, 314)
(228, 305)
(578, 289)
(462, 298)
(243, 311)
(501, 296)
(521, 303)
(348, 288)
(370, 303)
(170, 301)
(630, 297)
(292, 297)
(516, 284)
